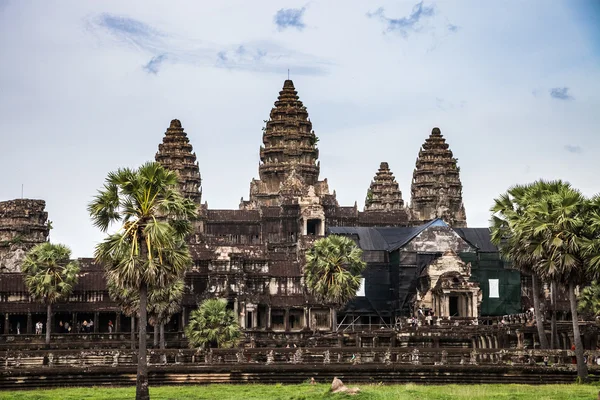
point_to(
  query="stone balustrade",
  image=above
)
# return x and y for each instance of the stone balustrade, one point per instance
(305, 356)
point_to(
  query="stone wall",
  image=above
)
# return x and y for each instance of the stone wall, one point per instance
(23, 224)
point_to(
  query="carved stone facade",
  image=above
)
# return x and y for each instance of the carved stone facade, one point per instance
(445, 288)
(253, 256)
(175, 153)
(384, 193)
(23, 224)
(288, 159)
(436, 190)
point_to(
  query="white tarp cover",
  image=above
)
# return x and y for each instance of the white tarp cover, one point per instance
(494, 288)
(361, 289)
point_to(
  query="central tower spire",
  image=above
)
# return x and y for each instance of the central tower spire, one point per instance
(289, 141)
(289, 155)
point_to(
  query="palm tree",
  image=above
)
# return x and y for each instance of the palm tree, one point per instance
(50, 276)
(213, 325)
(557, 224)
(128, 300)
(333, 270)
(163, 303)
(591, 243)
(508, 213)
(588, 301)
(149, 249)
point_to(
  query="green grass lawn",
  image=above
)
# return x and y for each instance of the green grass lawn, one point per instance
(321, 391)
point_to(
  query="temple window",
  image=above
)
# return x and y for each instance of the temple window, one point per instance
(320, 319)
(313, 227)
(296, 319)
(278, 319)
(453, 305)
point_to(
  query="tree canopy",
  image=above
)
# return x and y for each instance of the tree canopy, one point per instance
(50, 275)
(333, 270)
(213, 325)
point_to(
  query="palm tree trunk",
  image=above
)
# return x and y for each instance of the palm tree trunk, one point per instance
(142, 392)
(582, 370)
(155, 344)
(538, 312)
(48, 324)
(162, 343)
(553, 328)
(133, 332)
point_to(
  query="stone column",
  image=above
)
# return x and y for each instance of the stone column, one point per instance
(269, 317)
(446, 305)
(255, 318)
(306, 318)
(242, 316)
(286, 321)
(74, 322)
(29, 324)
(117, 324)
(96, 321)
(6, 323)
(183, 321)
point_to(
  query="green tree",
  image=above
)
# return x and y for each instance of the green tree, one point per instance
(213, 325)
(554, 230)
(508, 216)
(557, 224)
(149, 249)
(50, 276)
(128, 300)
(333, 269)
(163, 303)
(588, 301)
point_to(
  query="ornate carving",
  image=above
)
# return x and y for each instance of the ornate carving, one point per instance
(384, 193)
(175, 153)
(436, 190)
(288, 160)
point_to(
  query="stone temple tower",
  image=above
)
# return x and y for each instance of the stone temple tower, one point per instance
(288, 160)
(384, 193)
(23, 224)
(175, 153)
(436, 190)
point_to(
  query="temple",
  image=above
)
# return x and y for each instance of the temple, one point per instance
(419, 256)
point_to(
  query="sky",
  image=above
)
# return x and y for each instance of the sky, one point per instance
(89, 87)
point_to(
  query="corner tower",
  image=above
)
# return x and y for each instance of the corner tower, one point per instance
(175, 153)
(288, 158)
(436, 190)
(384, 193)
(23, 224)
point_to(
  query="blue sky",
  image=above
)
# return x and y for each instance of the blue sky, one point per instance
(87, 87)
